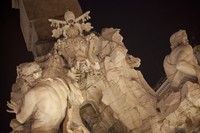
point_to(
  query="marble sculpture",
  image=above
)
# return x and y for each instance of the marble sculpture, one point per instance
(88, 83)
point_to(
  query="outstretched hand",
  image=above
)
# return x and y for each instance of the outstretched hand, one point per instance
(13, 107)
(73, 75)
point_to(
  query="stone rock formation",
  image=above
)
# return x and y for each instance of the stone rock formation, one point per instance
(88, 83)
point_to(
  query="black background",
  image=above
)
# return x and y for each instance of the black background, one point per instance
(145, 26)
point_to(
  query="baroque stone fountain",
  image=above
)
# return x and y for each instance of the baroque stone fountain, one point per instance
(88, 83)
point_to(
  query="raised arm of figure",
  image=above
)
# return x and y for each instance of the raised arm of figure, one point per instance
(27, 107)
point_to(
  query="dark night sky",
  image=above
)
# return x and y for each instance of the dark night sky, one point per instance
(145, 26)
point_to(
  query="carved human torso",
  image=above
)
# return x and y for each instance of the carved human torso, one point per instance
(182, 53)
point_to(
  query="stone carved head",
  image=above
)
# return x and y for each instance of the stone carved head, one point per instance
(178, 38)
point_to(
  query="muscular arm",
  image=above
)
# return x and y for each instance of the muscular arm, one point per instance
(186, 62)
(27, 107)
(186, 68)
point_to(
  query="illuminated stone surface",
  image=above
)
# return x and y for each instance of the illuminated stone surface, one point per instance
(88, 83)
